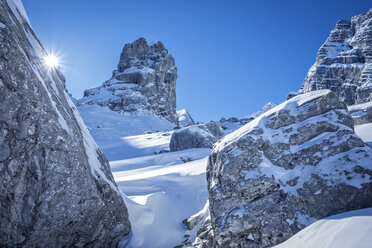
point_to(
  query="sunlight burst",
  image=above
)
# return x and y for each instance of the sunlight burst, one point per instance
(51, 61)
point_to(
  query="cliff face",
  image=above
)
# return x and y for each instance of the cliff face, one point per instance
(144, 82)
(56, 188)
(344, 61)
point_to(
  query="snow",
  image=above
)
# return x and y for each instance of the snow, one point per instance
(163, 191)
(349, 229)
(124, 136)
(364, 132)
(160, 190)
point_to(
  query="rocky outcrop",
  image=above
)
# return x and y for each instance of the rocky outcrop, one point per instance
(197, 136)
(344, 62)
(361, 113)
(56, 188)
(184, 118)
(299, 162)
(144, 82)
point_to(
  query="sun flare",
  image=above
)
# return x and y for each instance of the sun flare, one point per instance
(51, 61)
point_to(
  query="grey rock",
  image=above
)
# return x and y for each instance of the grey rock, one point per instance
(344, 61)
(56, 187)
(197, 136)
(297, 163)
(361, 113)
(144, 82)
(184, 118)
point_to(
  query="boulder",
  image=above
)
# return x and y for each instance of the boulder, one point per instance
(299, 162)
(196, 136)
(56, 187)
(361, 113)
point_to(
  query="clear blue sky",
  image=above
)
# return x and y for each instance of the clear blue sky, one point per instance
(232, 56)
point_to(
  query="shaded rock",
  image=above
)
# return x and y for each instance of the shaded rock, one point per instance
(197, 136)
(143, 83)
(56, 187)
(361, 113)
(344, 61)
(184, 118)
(299, 162)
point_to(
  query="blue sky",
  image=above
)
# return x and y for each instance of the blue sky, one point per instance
(232, 56)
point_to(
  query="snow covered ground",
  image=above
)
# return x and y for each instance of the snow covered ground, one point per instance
(365, 132)
(346, 230)
(162, 189)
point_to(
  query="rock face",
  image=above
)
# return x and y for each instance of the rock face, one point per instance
(344, 62)
(144, 82)
(184, 118)
(298, 162)
(197, 136)
(361, 113)
(56, 188)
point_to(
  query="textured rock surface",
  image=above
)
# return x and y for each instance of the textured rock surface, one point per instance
(344, 61)
(184, 118)
(197, 136)
(361, 113)
(144, 82)
(299, 162)
(56, 188)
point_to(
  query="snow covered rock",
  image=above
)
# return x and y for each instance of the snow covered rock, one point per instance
(299, 162)
(344, 61)
(361, 113)
(197, 136)
(144, 82)
(184, 118)
(56, 188)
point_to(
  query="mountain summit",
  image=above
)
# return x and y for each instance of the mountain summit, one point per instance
(144, 82)
(344, 61)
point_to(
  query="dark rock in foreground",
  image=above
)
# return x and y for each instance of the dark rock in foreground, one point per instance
(299, 162)
(56, 188)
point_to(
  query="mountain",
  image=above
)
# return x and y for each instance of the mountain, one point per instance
(143, 83)
(57, 189)
(344, 62)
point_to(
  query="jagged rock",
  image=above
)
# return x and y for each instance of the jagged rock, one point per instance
(184, 118)
(299, 162)
(344, 61)
(144, 82)
(56, 188)
(197, 136)
(361, 113)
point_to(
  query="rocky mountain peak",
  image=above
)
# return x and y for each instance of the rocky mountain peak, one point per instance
(344, 61)
(144, 82)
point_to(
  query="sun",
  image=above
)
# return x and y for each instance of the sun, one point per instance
(51, 61)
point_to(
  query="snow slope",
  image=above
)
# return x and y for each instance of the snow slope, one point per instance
(126, 136)
(163, 191)
(365, 132)
(349, 229)
(161, 188)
